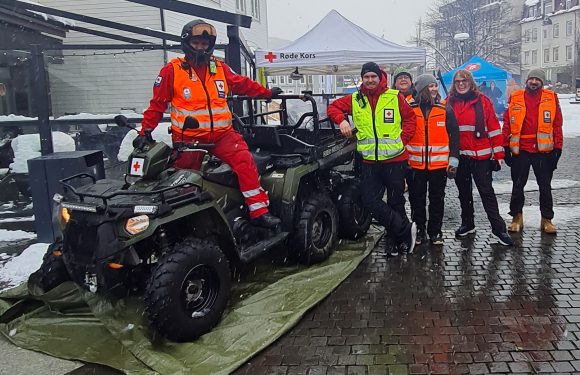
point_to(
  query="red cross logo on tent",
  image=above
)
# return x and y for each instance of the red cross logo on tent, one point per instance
(270, 57)
(472, 67)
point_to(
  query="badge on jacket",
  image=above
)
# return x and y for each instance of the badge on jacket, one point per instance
(221, 88)
(158, 81)
(187, 93)
(389, 116)
(547, 117)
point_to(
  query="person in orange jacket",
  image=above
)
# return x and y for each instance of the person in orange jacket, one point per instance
(533, 137)
(197, 85)
(433, 156)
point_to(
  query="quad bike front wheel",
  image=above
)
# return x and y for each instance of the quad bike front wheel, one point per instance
(53, 271)
(354, 219)
(316, 229)
(188, 290)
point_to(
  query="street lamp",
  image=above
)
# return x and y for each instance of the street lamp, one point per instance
(461, 38)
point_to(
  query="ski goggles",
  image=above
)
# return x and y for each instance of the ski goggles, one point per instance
(203, 29)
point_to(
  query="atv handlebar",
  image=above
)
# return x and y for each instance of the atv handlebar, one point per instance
(181, 146)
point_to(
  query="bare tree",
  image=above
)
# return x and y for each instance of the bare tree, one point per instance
(491, 28)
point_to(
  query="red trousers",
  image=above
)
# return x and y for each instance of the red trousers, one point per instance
(231, 148)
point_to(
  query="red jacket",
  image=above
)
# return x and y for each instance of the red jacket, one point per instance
(163, 91)
(340, 108)
(530, 126)
(488, 146)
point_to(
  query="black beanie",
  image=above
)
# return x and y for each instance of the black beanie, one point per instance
(403, 73)
(371, 67)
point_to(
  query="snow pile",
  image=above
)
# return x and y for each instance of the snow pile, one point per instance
(505, 187)
(16, 118)
(27, 146)
(571, 115)
(15, 235)
(160, 134)
(17, 269)
(531, 3)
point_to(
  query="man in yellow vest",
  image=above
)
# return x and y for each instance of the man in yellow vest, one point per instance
(533, 137)
(197, 85)
(385, 123)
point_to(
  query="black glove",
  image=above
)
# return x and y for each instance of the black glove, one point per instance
(140, 141)
(276, 92)
(508, 156)
(495, 165)
(555, 157)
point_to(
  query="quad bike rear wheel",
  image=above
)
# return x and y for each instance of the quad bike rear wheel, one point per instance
(188, 290)
(316, 229)
(53, 271)
(354, 219)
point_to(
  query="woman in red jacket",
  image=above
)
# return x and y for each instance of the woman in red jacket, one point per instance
(481, 153)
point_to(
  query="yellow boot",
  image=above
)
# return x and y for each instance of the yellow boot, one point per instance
(547, 226)
(517, 223)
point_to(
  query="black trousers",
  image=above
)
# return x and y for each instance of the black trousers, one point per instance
(480, 171)
(420, 181)
(520, 170)
(391, 214)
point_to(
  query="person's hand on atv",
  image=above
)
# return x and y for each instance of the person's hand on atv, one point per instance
(345, 129)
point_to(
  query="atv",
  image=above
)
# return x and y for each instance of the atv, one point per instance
(177, 236)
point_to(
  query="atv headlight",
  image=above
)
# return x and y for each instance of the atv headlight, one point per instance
(137, 224)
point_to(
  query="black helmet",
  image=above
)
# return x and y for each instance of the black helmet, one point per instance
(197, 28)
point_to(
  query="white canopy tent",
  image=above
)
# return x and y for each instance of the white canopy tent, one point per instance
(336, 46)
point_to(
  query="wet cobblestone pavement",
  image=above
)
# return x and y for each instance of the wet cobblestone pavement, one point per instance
(469, 307)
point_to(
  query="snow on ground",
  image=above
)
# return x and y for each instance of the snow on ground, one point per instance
(571, 114)
(505, 187)
(15, 235)
(27, 146)
(532, 215)
(16, 219)
(17, 269)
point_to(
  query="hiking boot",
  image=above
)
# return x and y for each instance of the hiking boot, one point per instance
(407, 244)
(436, 239)
(504, 239)
(517, 223)
(267, 221)
(464, 230)
(421, 236)
(547, 227)
(390, 249)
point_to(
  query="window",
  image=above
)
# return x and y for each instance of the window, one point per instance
(255, 9)
(535, 57)
(556, 54)
(568, 52)
(241, 6)
(569, 27)
(545, 33)
(282, 80)
(302, 80)
(534, 35)
(527, 36)
(527, 57)
(568, 4)
(532, 11)
(556, 32)
(546, 55)
(547, 7)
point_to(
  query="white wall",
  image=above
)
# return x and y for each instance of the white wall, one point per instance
(105, 84)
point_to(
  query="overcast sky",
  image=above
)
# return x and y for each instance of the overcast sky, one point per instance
(395, 19)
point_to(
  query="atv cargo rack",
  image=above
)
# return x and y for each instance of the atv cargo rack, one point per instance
(195, 195)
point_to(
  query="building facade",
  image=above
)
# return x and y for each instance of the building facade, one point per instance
(102, 82)
(550, 39)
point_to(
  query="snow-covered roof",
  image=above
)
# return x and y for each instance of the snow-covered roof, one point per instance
(49, 17)
(531, 3)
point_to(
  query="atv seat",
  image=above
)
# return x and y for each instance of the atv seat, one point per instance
(224, 175)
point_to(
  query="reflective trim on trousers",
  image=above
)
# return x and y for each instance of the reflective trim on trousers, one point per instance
(251, 193)
(257, 206)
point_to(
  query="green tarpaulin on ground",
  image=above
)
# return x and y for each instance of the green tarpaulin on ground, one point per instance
(71, 324)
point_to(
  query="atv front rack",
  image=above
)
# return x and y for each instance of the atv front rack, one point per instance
(195, 195)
